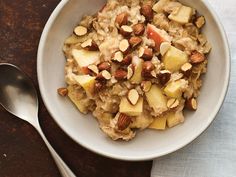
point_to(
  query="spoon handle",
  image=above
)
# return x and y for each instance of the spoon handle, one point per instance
(63, 168)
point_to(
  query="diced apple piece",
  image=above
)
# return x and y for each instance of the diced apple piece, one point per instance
(138, 66)
(158, 7)
(142, 121)
(156, 99)
(87, 82)
(85, 58)
(131, 110)
(174, 118)
(183, 16)
(175, 89)
(159, 123)
(73, 95)
(174, 59)
(157, 35)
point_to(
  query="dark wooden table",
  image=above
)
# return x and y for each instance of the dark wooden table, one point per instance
(22, 152)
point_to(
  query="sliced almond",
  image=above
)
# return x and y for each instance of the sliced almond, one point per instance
(126, 30)
(172, 103)
(135, 41)
(191, 104)
(197, 57)
(89, 45)
(186, 69)
(124, 45)
(164, 76)
(62, 91)
(133, 96)
(122, 19)
(118, 56)
(146, 85)
(130, 71)
(106, 74)
(139, 29)
(93, 68)
(164, 47)
(80, 30)
(123, 122)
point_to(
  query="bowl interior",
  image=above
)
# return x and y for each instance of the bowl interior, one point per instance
(85, 130)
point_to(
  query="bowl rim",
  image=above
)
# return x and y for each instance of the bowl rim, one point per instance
(222, 96)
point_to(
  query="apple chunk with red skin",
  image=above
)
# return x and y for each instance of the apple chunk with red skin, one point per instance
(157, 35)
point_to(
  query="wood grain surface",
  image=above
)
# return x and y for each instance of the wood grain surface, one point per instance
(22, 152)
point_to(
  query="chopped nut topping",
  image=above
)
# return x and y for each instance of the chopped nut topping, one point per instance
(106, 74)
(126, 30)
(197, 57)
(123, 122)
(93, 68)
(146, 53)
(130, 71)
(122, 19)
(80, 31)
(200, 22)
(146, 11)
(127, 60)
(89, 45)
(86, 71)
(135, 41)
(148, 67)
(191, 104)
(164, 76)
(146, 86)
(133, 96)
(113, 80)
(165, 46)
(118, 56)
(186, 69)
(172, 103)
(124, 45)
(139, 29)
(153, 74)
(104, 66)
(62, 91)
(120, 74)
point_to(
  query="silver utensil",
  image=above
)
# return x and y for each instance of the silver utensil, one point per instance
(19, 97)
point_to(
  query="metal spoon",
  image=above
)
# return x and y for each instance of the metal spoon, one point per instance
(19, 97)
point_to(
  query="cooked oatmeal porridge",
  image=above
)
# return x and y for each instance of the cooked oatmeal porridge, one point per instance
(136, 64)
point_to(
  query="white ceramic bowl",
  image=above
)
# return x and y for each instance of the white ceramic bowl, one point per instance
(148, 144)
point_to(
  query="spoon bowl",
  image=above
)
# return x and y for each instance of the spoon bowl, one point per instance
(19, 97)
(17, 93)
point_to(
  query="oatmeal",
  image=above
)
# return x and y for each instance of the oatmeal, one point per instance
(136, 65)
